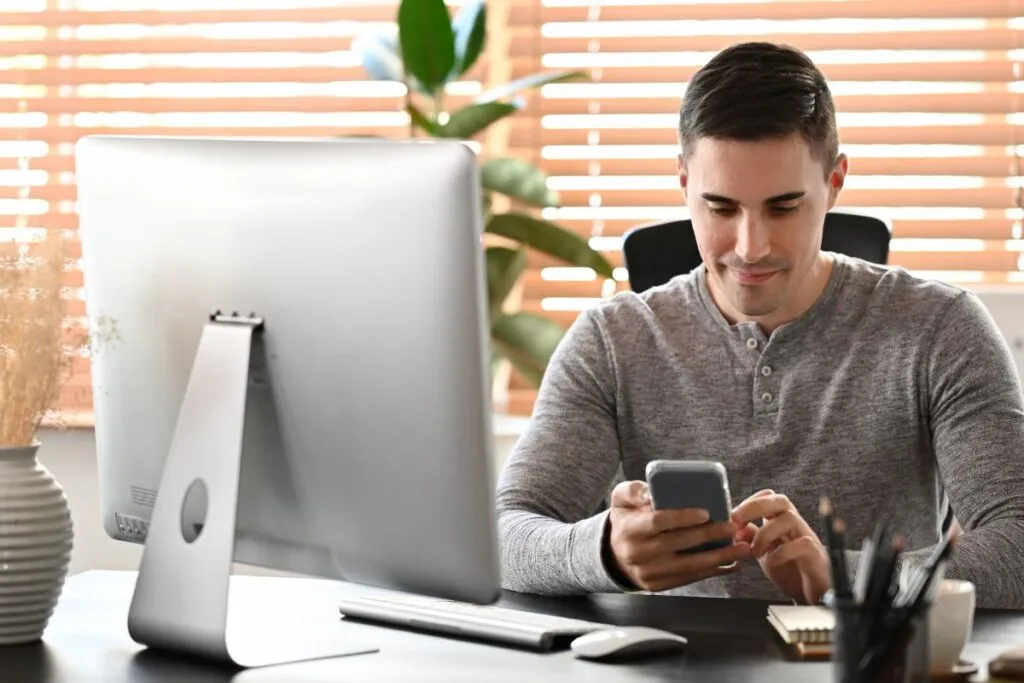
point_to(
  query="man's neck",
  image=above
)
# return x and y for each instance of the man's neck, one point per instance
(806, 294)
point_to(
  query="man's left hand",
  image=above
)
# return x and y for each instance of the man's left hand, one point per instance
(788, 550)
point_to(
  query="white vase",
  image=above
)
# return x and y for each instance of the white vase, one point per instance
(35, 545)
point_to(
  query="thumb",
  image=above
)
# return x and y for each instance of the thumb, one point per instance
(631, 494)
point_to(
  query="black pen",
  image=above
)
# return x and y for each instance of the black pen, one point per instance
(881, 554)
(890, 584)
(839, 532)
(832, 530)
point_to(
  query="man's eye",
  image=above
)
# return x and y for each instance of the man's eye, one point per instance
(722, 210)
(782, 210)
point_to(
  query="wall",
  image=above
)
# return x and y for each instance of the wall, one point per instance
(71, 457)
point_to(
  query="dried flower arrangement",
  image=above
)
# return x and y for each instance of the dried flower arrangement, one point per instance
(37, 341)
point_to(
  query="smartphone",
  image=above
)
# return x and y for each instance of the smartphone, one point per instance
(691, 484)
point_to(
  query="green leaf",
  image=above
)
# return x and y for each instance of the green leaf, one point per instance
(518, 179)
(380, 57)
(427, 124)
(527, 340)
(487, 203)
(426, 39)
(472, 119)
(504, 266)
(550, 239)
(382, 60)
(533, 81)
(470, 26)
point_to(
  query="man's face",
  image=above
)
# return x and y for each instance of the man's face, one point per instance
(758, 209)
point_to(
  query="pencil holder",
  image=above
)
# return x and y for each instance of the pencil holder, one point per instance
(865, 651)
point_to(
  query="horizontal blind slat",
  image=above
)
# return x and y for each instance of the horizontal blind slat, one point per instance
(938, 260)
(975, 102)
(997, 70)
(152, 105)
(991, 227)
(70, 135)
(54, 76)
(786, 9)
(986, 134)
(991, 38)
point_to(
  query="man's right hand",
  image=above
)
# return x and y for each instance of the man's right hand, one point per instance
(646, 542)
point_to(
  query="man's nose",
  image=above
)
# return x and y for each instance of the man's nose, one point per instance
(752, 240)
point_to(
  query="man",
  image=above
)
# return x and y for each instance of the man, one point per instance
(803, 372)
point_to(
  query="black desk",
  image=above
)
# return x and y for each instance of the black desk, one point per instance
(87, 640)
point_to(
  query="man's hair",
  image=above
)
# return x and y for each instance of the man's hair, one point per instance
(757, 91)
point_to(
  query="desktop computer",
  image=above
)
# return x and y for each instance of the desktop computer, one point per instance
(290, 369)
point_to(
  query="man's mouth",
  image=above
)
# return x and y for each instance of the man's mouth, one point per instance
(753, 277)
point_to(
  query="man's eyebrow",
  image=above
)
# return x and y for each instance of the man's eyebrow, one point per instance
(785, 197)
(777, 199)
(717, 198)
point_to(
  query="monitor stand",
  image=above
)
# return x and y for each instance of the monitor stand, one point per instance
(182, 596)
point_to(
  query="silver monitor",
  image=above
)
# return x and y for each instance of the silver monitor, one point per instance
(290, 369)
(1006, 305)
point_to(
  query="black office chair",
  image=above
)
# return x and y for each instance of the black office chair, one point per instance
(658, 252)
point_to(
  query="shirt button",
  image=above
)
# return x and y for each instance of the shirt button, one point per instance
(766, 371)
(751, 343)
(766, 397)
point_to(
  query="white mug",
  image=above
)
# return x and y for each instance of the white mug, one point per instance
(950, 622)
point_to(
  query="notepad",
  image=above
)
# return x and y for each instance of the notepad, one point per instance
(807, 629)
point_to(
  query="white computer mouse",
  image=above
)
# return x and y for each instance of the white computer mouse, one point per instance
(626, 642)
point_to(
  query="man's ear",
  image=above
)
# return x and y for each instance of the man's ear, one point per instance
(681, 168)
(837, 178)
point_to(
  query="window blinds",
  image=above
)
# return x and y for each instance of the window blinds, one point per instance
(928, 95)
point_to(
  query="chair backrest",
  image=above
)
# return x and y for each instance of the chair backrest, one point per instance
(658, 252)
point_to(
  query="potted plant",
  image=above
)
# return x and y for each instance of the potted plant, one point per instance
(430, 50)
(35, 522)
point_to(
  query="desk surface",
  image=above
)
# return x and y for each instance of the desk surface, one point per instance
(87, 640)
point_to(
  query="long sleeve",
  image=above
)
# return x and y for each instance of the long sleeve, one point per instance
(976, 421)
(559, 471)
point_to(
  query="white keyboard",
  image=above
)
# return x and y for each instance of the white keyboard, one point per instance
(488, 622)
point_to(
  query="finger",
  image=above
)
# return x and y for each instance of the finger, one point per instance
(677, 565)
(805, 546)
(746, 534)
(684, 539)
(660, 521)
(670, 581)
(777, 530)
(760, 494)
(762, 507)
(631, 494)
(666, 546)
(646, 544)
